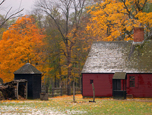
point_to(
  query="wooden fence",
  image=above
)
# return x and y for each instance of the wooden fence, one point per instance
(62, 91)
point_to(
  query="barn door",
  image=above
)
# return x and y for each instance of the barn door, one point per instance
(117, 92)
(116, 84)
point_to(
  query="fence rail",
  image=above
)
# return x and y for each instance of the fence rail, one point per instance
(62, 91)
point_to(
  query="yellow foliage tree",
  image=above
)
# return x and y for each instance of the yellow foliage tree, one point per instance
(21, 43)
(114, 19)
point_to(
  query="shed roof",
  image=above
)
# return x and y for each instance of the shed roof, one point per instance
(27, 69)
(119, 75)
(111, 57)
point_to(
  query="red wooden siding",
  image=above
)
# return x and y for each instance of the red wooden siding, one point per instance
(102, 84)
(143, 85)
(123, 84)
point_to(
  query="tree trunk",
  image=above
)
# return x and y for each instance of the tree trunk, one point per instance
(69, 87)
(69, 70)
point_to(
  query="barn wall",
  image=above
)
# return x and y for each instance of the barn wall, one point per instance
(143, 85)
(123, 84)
(102, 84)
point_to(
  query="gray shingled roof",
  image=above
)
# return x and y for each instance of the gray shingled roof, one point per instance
(111, 57)
(27, 69)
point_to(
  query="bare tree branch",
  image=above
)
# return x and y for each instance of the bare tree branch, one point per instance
(2, 2)
(8, 12)
(6, 18)
(56, 24)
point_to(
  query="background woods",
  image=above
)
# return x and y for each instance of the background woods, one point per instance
(67, 25)
(56, 36)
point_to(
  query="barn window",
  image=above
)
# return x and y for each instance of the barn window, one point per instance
(91, 81)
(132, 81)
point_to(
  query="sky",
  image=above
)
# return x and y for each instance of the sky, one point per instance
(16, 5)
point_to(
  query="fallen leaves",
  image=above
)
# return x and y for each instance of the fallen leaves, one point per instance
(59, 105)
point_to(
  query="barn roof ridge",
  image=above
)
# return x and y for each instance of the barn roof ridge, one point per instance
(27, 69)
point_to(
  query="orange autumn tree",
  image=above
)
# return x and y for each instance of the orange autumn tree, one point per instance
(114, 19)
(21, 43)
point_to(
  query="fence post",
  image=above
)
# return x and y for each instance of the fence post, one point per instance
(61, 91)
(74, 92)
(93, 92)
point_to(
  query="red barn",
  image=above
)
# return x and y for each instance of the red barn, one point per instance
(119, 67)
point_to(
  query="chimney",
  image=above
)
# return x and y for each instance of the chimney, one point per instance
(138, 35)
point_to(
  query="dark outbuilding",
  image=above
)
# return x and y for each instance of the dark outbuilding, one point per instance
(33, 76)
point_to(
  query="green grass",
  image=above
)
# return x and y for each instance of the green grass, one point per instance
(64, 105)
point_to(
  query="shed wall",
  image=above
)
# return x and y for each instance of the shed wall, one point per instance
(28, 77)
(34, 84)
(143, 85)
(102, 85)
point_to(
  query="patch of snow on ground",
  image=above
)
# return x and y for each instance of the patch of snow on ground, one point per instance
(10, 110)
(70, 112)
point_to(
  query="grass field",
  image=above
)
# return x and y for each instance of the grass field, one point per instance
(64, 106)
